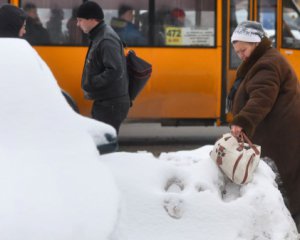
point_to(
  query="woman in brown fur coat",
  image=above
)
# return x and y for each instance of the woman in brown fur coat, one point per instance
(265, 102)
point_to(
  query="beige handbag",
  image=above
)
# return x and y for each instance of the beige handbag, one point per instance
(238, 159)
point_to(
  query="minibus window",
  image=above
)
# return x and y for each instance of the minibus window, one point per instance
(267, 16)
(291, 24)
(4, 2)
(185, 23)
(51, 22)
(54, 21)
(239, 12)
(129, 19)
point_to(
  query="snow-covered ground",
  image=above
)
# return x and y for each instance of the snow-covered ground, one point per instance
(183, 195)
(55, 186)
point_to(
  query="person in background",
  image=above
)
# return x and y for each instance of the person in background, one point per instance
(12, 22)
(104, 78)
(75, 35)
(54, 26)
(265, 103)
(177, 17)
(124, 27)
(36, 34)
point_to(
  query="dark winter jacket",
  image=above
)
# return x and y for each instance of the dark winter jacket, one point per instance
(105, 74)
(12, 19)
(267, 107)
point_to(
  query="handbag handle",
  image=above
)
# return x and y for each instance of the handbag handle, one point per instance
(244, 137)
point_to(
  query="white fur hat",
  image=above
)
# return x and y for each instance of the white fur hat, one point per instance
(248, 31)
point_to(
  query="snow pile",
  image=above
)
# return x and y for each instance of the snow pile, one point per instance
(182, 195)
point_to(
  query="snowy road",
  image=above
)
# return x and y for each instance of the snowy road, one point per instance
(156, 139)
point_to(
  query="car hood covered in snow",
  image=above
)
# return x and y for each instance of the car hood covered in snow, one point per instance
(52, 182)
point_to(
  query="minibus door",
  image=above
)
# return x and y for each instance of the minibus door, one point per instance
(289, 32)
(237, 12)
(266, 14)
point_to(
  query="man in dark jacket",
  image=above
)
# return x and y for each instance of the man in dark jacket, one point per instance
(104, 78)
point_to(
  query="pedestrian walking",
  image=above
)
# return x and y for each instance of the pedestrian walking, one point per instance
(104, 79)
(265, 102)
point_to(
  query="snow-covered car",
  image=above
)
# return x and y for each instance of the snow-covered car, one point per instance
(36, 76)
(53, 184)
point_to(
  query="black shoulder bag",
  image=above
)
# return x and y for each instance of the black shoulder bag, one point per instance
(139, 72)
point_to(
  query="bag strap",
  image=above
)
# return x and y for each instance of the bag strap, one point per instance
(244, 137)
(125, 47)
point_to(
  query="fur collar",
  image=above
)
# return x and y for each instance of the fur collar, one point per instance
(262, 47)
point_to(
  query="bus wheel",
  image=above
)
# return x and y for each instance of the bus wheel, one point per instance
(70, 101)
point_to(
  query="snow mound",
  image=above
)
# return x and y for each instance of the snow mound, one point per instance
(183, 195)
